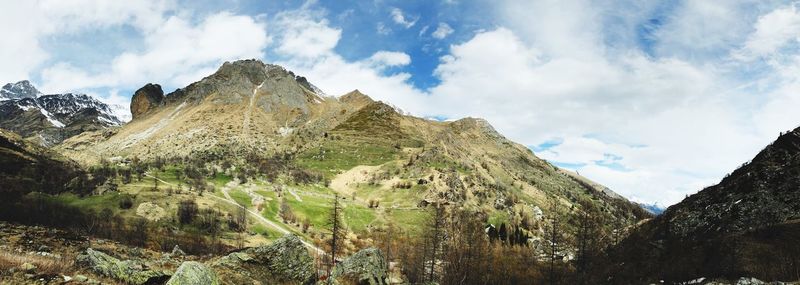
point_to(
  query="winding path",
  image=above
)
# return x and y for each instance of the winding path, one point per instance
(257, 216)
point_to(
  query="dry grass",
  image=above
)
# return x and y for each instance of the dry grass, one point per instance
(45, 265)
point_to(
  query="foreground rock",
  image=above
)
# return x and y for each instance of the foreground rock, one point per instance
(368, 266)
(127, 271)
(194, 273)
(285, 261)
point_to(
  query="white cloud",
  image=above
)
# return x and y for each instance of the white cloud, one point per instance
(175, 54)
(382, 29)
(302, 36)
(442, 31)
(772, 31)
(24, 23)
(399, 18)
(389, 58)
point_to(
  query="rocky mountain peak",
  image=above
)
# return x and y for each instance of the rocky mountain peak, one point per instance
(356, 97)
(20, 90)
(145, 99)
(476, 124)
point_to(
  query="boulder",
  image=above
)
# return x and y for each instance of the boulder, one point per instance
(193, 273)
(150, 211)
(285, 261)
(368, 266)
(145, 99)
(28, 267)
(127, 271)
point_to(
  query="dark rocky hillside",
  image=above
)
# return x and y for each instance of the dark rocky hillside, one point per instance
(744, 226)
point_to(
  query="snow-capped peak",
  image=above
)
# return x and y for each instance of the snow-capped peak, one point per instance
(19, 90)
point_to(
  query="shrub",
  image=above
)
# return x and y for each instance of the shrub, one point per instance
(126, 202)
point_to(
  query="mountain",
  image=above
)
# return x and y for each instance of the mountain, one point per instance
(27, 167)
(747, 225)
(249, 113)
(20, 90)
(655, 209)
(49, 119)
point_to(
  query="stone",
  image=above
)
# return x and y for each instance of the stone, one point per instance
(126, 271)
(145, 99)
(367, 266)
(28, 267)
(81, 278)
(285, 261)
(67, 278)
(194, 273)
(176, 251)
(44, 248)
(150, 211)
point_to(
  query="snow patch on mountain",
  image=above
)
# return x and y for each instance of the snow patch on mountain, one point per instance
(19, 90)
(50, 118)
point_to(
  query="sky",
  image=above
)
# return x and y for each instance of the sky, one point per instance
(654, 99)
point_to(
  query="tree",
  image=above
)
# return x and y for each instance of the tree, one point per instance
(187, 210)
(554, 235)
(588, 235)
(337, 231)
(285, 212)
(435, 235)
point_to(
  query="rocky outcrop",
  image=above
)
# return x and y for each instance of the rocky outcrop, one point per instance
(145, 99)
(193, 273)
(126, 271)
(368, 266)
(285, 261)
(150, 211)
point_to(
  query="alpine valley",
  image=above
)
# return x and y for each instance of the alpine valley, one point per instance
(253, 175)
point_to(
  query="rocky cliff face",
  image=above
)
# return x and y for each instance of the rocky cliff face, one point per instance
(145, 99)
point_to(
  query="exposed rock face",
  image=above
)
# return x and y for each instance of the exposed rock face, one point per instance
(145, 99)
(150, 211)
(193, 273)
(368, 266)
(127, 271)
(285, 261)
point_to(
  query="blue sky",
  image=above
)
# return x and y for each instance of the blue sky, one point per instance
(655, 99)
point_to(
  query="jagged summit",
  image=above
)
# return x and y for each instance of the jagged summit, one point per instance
(20, 90)
(49, 119)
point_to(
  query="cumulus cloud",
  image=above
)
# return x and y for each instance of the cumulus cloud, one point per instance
(772, 31)
(442, 31)
(303, 36)
(399, 18)
(176, 53)
(389, 58)
(24, 23)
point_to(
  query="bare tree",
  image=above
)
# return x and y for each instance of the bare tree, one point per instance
(435, 236)
(337, 231)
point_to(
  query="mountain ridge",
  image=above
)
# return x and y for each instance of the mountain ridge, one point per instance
(50, 119)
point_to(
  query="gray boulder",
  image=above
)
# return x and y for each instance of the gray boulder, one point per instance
(368, 266)
(127, 271)
(194, 273)
(285, 261)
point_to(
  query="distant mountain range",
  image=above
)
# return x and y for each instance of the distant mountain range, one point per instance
(50, 119)
(654, 208)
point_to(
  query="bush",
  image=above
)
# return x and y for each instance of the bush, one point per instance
(126, 202)
(187, 211)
